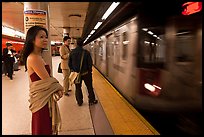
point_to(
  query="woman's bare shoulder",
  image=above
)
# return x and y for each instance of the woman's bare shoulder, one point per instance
(36, 64)
(33, 58)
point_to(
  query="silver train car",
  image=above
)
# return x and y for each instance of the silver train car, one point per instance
(156, 64)
(155, 68)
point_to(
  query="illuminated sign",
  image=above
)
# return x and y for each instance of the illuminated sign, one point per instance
(191, 7)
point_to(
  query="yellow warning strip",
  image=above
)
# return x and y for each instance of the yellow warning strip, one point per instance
(131, 107)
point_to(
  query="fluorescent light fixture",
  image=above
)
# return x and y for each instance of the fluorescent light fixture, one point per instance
(52, 42)
(56, 42)
(97, 25)
(125, 42)
(12, 32)
(110, 10)
(92, 31)
(146, 42)
(85, 41)
(151, 33)
(159, 38)
(145, 29)
(14, 42)
(155, 36)
(8, 31)
(18, 33)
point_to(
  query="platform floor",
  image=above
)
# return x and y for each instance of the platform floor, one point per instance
(113, 115)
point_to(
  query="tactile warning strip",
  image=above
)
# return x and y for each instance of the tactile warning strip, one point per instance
(123, 118)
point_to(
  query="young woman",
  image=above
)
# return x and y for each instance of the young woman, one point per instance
(44, 89)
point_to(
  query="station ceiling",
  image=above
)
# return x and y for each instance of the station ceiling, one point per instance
(81, 17)
(72, 16)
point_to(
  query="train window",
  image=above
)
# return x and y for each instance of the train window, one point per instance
(184, 47)
(124, 45)
(151, 47)
(110, 44)
(101, 50)
(108, 48)
(116, 57)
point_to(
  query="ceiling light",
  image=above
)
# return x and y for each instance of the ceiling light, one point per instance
(151, 33)
(97, 25)
(92, 31)
(110, 10)
(145, 29)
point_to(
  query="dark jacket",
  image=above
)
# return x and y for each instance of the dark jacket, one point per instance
(75, 59)
(7, 57)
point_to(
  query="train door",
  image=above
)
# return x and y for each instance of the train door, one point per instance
(93, 53)
(109, 48)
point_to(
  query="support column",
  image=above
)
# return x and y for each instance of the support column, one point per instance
(41, 6)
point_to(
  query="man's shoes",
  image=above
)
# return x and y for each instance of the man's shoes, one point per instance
(66, 94)
(93, 102)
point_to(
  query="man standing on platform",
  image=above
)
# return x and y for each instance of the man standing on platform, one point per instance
(81, 57)
(8, 58)
(64, 54)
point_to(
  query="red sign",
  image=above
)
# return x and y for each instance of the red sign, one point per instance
(191, 7)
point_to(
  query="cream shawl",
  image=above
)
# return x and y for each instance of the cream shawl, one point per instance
(41, 93)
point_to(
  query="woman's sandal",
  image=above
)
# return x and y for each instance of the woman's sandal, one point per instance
(94, 102)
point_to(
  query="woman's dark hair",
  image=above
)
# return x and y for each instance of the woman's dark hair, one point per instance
(29, 42)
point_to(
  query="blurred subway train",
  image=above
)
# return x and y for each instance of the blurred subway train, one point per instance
(155, 62)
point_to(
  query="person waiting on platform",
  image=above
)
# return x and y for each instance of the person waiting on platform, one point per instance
(45, 90)
(17, 61)
(86, 72)
(8, 58)
(64, 54)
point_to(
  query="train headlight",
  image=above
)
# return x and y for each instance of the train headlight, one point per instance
(149, 87)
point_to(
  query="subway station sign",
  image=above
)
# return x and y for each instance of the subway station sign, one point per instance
(33, 18)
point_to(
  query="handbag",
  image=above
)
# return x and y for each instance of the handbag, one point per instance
(59, 68)
(75, 77)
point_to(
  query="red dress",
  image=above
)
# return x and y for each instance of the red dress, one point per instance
(41, 120)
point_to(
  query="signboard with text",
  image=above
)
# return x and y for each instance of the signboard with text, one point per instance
(33, 18)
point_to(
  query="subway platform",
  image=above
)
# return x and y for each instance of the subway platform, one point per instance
(113, 115)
